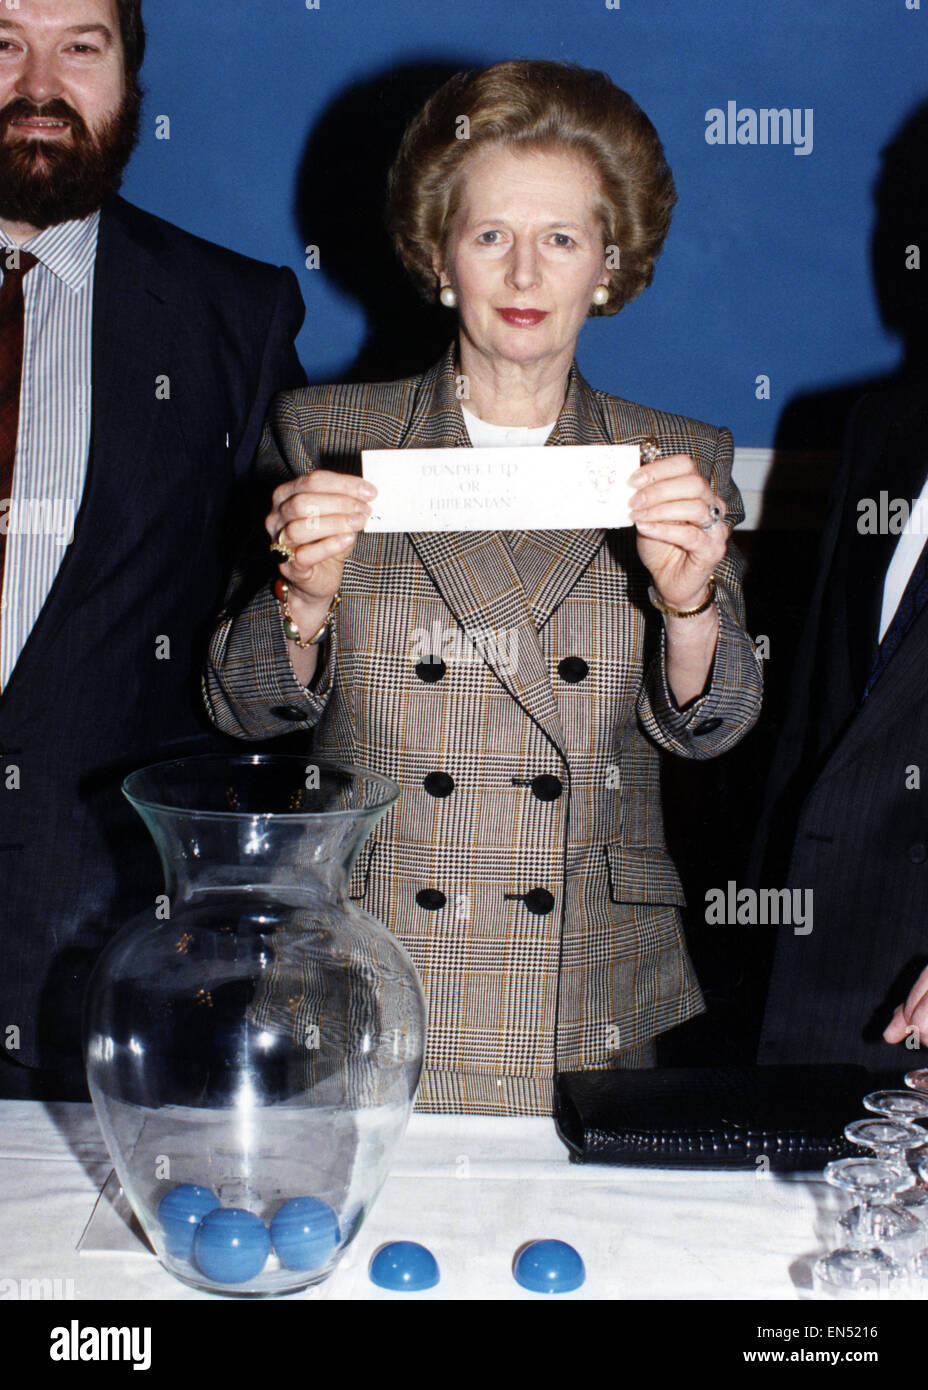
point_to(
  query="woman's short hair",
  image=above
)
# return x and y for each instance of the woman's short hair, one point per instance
(529, 105)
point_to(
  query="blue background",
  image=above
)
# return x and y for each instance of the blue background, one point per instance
(282, 119)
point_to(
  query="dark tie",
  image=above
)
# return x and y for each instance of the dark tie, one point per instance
(913, 600)
(15, 264)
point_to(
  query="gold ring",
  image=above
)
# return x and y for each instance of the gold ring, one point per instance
(280, 547)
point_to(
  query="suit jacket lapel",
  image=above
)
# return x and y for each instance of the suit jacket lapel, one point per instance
(504, 606)
(900, 471)
(551, 562)
(474, 570)
(137, 321)
(130, 321)
(899, 689)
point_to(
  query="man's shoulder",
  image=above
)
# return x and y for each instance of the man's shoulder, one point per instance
(177, 251)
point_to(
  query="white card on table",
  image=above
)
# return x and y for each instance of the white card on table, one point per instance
(530, 488)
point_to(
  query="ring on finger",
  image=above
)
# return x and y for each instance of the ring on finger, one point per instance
(715, 516)
(280, 547)
(650, 449)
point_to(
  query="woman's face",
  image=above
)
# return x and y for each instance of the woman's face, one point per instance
(524, 253)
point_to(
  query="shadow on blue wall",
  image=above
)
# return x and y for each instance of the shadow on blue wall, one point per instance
(358, 136)
(817, 420)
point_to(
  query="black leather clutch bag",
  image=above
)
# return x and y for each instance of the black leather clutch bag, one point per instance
(711, 1117)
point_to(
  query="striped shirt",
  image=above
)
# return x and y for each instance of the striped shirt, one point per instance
(53, 445)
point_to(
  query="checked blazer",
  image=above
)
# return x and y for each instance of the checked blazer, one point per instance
(524, 866)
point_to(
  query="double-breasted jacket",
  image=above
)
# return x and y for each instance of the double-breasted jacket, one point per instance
(513, 684)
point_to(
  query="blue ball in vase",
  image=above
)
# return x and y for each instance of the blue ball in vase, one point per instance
(305, 1233)
(180, 1212)
(231, 1245)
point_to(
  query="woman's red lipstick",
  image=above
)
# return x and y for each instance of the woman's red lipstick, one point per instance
(523, 318)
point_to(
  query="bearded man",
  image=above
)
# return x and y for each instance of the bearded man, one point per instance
(136, 366)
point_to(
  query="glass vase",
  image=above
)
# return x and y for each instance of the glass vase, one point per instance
(254, 1040)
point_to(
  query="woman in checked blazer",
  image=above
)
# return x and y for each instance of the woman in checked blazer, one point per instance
(520, 686)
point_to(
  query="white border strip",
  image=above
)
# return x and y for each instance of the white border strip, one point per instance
(783, 490)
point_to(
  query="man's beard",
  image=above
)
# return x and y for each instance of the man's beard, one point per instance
(44, 182)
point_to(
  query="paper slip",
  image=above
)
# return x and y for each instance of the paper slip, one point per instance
(532, 488)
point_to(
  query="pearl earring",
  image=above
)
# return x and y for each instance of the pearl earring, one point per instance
(448, 297)
(601, 295)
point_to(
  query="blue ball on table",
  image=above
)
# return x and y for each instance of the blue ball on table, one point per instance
(231, 1245)
(304, 1233)
(180, 1212)
(549, 1266)
(405, 1266)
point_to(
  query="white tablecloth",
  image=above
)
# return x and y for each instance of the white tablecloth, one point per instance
(473, 1190)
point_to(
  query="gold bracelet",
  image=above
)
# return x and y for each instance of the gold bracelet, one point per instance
(669, 612)
(291, 631)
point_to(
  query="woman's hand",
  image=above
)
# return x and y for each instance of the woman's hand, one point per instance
(318, 516)
(670, 509)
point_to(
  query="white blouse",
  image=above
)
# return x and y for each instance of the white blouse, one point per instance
(484, 435)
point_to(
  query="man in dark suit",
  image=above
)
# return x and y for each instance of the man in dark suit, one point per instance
(845, 810)
(142, 361)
